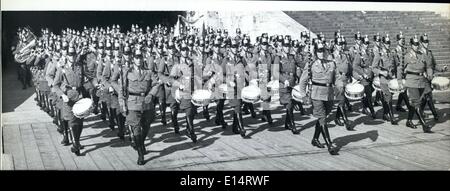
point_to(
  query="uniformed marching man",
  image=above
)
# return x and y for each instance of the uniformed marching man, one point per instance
(250, 60)
(384, 67)
(321, 73)
(342, 69)
(235, 80)
(415, 82)
(264, 75)
(67, 84)
(107, 96)
(89, 68)
(164, 68)
(185, 77)
(215, 72)
(400, 52)
(139, 102)
(117, 81)
(362, 71)
(199, 57)
(112, 69)
(287, 77)
(375, 51)
(430, 62)
(153, 63)
(101, 93)
(301, 62)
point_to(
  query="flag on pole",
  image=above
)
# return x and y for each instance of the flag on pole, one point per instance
(177, 28)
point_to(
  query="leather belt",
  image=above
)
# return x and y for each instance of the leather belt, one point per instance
(415, 73)
(143, 94)
(322, 84)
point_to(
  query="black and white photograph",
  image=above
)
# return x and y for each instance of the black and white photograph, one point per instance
(224, 85)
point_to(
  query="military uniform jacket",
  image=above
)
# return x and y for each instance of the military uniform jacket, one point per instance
(251, 66)
(342, 68)
(213, 64)
(416, 62)
(68, 82)
(320, 71)
(399, 59)
(91, 66)
(287, 70)
(186, 74)
(137, 82)
(164, 68)
(362, 67)
(264, 72)
(384, 62)
(234, 72)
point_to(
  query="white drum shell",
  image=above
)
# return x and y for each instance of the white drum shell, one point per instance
(83, 108)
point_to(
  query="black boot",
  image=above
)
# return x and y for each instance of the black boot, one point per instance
(252, 110)
(302, 110)
(264, 116)
(162, 111)
(337, 117)
(347, 124)
(291, 123)
(348, 105)
(326, 136)
(121, 126)
(401, 98)
(409, 122)
(76, 146)
(206, 113)
(315, 141)
(372, 111)
(234, 126)
(190, 128)
(432, 108)
(269, 117)
(65, 128)
(426, 128)
(112, 118)
(391, 114)
(104, 111)
(52, 109)
(174, 115)
(245, 109)
(139, 149)
(240, 125)
(385, 111)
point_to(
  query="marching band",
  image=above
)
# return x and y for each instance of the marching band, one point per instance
(123, 76)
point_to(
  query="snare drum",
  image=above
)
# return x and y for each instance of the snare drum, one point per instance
(440, 83)
(83, 108)
(354, 91)
(394, 88)
(296, 95)
(251, 94)
(201, 97)
(376, 84)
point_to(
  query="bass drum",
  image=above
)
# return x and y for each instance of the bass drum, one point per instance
(251, 94)
(354, 91)
(83, 108)
(440, 83)
(201, 97)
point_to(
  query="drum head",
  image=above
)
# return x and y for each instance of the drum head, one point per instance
(201, 94)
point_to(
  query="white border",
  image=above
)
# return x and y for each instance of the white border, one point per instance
(216, 5)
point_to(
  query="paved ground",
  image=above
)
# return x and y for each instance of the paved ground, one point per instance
(30, 141)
